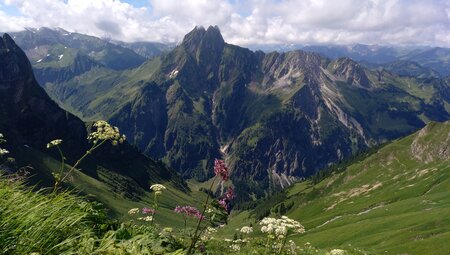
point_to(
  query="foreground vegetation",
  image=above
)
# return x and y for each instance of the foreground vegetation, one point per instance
(371, 205)
(45, 222)
(55, 221)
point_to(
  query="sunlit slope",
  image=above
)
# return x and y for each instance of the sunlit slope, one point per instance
(397, 200)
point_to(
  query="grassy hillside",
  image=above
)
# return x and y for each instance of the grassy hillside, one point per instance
(396, 201)
(117, 192)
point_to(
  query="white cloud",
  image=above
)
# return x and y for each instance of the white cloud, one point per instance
(245, 22)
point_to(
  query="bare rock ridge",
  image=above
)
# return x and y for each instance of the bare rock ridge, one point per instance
(425, 149)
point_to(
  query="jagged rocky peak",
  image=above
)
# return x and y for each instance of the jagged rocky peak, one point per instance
(350, 71)
(7, 43)
(213, 35)
(210, 38)
(13, 61)
(282, 67)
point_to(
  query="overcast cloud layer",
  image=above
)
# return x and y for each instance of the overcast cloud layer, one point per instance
(405, 22)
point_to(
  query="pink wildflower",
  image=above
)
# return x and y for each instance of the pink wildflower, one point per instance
(229, 195)
(189, 211)
(146, 210)
(223, 204)
(221, 169)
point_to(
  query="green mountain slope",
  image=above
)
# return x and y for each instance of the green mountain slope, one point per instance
(58, 55)
(409, 68)
(395, 201)
(119, 177)
(44, 46)
(436, 58)
(274, 117)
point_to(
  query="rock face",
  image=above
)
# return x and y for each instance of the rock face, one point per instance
(81, 64)
(28, 115)
(274, 117)
(428, 151)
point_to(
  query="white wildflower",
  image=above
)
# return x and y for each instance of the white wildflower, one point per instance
(53, 143)
(133, 211)
(3, 152)
(146, 218)
(235, 247)
(280, 227)
(336, 252)
(207, 235)
(104, 131)
(292, 248)
(158, 188)
(246, 230)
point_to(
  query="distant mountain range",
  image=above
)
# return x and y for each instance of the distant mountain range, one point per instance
(435, 58)
(275, 117)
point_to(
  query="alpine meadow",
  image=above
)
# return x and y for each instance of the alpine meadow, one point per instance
(288, 127)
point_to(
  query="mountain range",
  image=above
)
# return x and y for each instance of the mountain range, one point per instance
(435, 58)
(275, 117)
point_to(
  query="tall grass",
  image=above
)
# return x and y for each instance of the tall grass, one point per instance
(41, 222)
(46, 224)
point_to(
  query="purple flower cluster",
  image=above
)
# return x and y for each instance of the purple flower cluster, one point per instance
(146, 210)
(221, 169)
(229, 195)
(189, 211)
(223, 203)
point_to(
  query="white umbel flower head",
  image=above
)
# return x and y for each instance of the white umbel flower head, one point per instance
(104, 131)
(246, 230)
(146, 218)
(53, 143)
(336, 252)
(3, 152)
(133, 211)
(280, 227)
(157, 188)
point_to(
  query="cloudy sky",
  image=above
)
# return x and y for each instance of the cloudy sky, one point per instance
(243, 22)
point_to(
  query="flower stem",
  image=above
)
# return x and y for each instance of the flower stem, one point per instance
(196, 234)
(81, 159)
(283, 244)
(155, 206)
(61, 170)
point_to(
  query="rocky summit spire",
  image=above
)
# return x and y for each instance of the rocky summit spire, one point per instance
(209, 39)
(192, 39)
